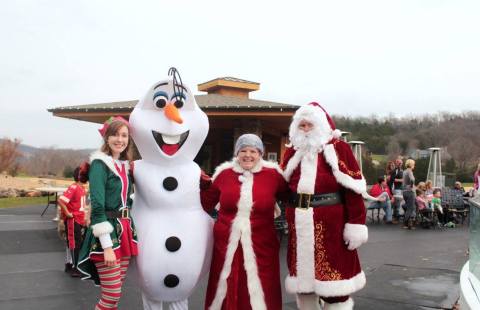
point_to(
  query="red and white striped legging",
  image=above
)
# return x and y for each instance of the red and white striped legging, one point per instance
(111, 280)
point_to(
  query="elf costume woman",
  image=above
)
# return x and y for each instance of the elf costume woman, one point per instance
(111, 239)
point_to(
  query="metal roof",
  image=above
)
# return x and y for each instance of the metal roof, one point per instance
(231, 79)
(206, 102)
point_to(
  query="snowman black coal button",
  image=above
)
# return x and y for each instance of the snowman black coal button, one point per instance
(170, 183)
(173, 244)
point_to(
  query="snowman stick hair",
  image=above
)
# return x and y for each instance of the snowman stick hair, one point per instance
(177, 83)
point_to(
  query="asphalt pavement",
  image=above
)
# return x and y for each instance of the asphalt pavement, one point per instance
(417, 269)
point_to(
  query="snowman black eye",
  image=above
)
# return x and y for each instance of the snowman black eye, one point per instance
(160, 102)
(178, 103)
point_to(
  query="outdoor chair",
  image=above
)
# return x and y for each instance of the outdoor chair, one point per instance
(372, 208)
(454, 204)
(427, 219)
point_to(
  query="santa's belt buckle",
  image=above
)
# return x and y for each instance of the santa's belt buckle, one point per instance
(304, 201)
(125, 213)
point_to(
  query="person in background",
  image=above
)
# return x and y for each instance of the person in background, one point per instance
(409, 194)
(396, 179)
(423, 207)
(422, 186)
(111, 239)
(381, 191)
(388, 174)
(437, 205)
(458, 186)
(429, 190)
(72, 205)
(476, 179)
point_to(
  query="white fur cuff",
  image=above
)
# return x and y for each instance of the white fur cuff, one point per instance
(102, 228)
(355, 235)
(105, 241)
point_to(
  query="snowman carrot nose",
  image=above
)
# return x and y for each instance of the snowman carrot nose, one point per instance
(172, 113)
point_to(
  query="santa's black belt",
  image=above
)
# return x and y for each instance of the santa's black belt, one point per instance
(305, 201)
(124, 213)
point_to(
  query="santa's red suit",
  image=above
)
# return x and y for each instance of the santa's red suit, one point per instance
(323, 236)
(245, 269)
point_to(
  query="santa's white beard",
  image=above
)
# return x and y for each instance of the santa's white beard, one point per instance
(309, 142)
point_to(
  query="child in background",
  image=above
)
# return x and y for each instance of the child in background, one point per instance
(436, 205)
(423, 207)
(429, 190)
(72, 203)
(437, 200)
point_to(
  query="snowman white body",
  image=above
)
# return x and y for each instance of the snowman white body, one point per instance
(174, 232)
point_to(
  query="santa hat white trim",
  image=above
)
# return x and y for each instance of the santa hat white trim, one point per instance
(241, 232)
(318, 117)
(346, 305)
(329, 288)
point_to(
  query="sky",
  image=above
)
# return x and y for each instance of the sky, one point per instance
(357, 58)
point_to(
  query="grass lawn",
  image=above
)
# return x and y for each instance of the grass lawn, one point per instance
(379, 157)
(22, 201)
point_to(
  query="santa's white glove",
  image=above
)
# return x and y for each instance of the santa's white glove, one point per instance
(355, 235)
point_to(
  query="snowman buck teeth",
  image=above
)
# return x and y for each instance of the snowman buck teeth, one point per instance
(170, 144)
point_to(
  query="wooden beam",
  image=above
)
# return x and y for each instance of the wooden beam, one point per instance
(249, 113)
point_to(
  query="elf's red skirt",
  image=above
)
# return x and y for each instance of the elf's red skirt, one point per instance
(128, 246)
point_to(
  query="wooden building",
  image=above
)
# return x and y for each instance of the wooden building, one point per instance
(230, 110)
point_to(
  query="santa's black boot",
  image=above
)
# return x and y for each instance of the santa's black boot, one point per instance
(338, 303)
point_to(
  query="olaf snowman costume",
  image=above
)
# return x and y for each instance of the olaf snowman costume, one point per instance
(174, 233)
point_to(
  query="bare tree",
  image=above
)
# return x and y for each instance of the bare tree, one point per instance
(9, 154)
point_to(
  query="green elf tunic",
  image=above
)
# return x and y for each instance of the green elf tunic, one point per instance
(106, 189)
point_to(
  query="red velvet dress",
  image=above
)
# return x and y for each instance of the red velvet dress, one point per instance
(245, 267)
(330, 269)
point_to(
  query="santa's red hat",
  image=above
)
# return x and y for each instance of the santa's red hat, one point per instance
(318, 116)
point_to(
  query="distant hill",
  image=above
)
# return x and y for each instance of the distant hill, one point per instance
(37, 161)
(28, 150)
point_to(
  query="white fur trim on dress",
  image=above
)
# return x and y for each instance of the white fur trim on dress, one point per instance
(108, 160)
(357, 185)
(355, 235)
(241, 232)
(102, 228)
(233, 164)
(330, 288)
(305, 250)
(346, 305)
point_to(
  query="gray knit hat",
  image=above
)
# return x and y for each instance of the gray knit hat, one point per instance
(248, 140)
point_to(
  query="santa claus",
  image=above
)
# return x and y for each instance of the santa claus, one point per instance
(326, 214)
